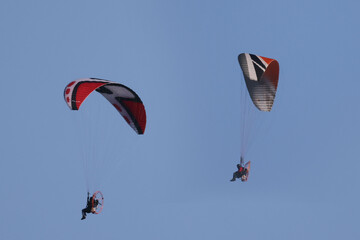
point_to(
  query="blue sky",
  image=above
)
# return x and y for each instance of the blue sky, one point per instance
(181, 58)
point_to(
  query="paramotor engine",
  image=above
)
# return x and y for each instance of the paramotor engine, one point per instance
(97, 202)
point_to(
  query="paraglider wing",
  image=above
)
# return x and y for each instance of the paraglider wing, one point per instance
(128, 103)
(77, 91)
(261, 76)
(125, 100)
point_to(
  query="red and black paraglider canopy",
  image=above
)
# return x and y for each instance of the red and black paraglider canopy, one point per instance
(125, 100)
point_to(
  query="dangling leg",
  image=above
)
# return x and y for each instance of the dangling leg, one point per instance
(83, 214)
(234, 177)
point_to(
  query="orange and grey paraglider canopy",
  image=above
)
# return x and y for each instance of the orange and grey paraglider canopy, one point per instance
(261, 76)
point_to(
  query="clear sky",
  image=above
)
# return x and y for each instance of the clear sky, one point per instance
(181, 58)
